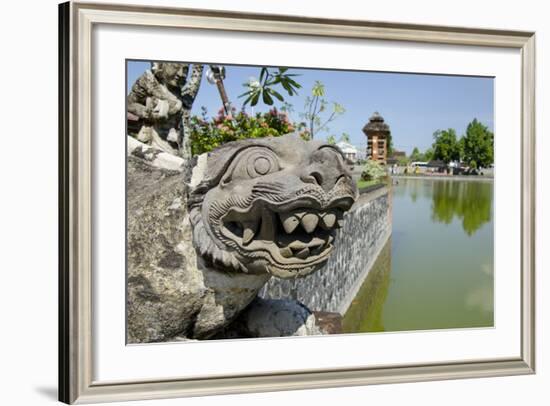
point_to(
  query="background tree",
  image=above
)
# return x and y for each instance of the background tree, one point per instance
(403, 161)
(416, 155)
(389, 144)
(445, 146)
(331, 139)
(429, 154)
(316, 107)
(478, 145)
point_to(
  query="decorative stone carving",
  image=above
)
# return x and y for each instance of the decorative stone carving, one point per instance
(155, 102)
(270, 205)
(171, 293)
(257, 208)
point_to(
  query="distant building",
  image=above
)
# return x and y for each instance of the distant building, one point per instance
(377, 132)
(396, 156)
(361, 154)
(349, 151)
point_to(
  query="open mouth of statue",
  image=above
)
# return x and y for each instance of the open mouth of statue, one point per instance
(301, 235)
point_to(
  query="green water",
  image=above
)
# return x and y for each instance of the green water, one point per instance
(436, 271)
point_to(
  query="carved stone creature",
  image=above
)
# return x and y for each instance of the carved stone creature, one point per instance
(257, 208)
(270, 205)
(155, 102)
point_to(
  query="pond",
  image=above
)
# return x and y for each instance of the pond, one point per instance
(436, 271)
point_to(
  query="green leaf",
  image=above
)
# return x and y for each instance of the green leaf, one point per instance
(255, 99)
(262, 74)
(247, 100)
(276, 94)
(318, 89)
(287, 87)
(267, 98)
(338, 108)
(294, 83)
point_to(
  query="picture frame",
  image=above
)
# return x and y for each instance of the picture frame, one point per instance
(76, 214)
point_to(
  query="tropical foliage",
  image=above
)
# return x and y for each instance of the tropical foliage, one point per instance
(264, 88)
(207, 134)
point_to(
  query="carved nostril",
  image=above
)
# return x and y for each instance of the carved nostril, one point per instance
(313, 177)
(345, 177)
(318, 177)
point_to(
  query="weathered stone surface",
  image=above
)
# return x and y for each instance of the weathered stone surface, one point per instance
(273, 318)
(164, 293)
(171, 293)
(365, 229)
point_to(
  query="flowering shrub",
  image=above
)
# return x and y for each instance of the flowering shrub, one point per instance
(209, 134)
(372, 171)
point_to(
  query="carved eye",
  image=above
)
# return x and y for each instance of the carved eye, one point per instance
(251, 163)
(260, 163)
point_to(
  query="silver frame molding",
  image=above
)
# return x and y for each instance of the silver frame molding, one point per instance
(76, 21)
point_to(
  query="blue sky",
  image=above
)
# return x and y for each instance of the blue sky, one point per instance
(413, 105)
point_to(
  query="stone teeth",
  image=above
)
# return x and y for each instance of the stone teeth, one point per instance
(329, 241)
(316, 251)
(286, 252)
(303, 254)
(297, 245)
(316, 242)
(339, 218)
(328, 220)
(267, 231)
(289, 221)
(249, 230)
(309, 222)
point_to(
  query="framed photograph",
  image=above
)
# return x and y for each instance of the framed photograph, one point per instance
(253, 202)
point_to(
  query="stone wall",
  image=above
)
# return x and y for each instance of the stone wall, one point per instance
(367, 227)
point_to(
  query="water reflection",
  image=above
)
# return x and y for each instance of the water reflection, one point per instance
(365, 313)
(436, 272)
(469, 201)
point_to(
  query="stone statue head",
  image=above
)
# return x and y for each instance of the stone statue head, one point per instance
(270, 205)
(171, 74)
